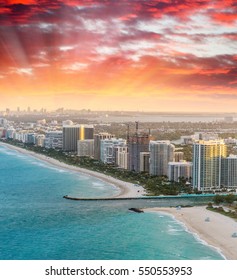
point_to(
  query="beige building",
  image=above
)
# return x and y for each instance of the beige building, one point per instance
(207, 156)
(85, 148)
(122, 157)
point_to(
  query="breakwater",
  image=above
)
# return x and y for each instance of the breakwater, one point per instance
(191, 196)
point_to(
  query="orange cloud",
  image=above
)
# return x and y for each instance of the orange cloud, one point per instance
(119, 49)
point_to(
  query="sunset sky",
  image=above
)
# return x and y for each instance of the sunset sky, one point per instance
(169, 55)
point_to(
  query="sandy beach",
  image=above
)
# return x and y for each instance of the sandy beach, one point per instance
(126, 189)
(216, 232)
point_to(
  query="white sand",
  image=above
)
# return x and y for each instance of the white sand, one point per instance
(217, 232)
(126, 189)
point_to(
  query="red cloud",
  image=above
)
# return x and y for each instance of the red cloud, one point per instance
(25, 2)
(16, 11)
(227, 18)
(125, 10)
(35, 34)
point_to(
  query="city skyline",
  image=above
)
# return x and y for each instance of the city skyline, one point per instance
(123, 55)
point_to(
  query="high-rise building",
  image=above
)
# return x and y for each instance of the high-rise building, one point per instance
(108, 149)
(137, 144)
(10, 133)
(86, 132)
(97, 139)
(30, 138)
(207, 157)
(229, 172)
(73, 133)
(144, 162)
(39, 140)
(53, 140)
(177, 170)
(85, 148)
(122, 157)
(161, 153)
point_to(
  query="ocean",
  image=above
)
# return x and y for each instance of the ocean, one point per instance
(37, 223)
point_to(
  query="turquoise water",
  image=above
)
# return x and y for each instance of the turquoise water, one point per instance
(37, 223)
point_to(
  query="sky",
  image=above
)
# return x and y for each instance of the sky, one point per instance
(168, 55)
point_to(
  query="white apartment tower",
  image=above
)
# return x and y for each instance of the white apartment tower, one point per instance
(177, 170)
(122, 157)
(53, 140)
(108, 148)
(161, 153)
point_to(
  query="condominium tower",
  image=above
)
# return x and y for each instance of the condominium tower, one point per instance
(161, 153)
(97, 142)
(122, 157)
(178, 170)
(108, 149)
(53, 140)
(207, 156)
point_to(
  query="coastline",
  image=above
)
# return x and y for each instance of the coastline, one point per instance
(127, 189)
(216, 232)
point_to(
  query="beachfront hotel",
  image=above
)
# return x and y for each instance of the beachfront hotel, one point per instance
(207, 156)
(161, 153)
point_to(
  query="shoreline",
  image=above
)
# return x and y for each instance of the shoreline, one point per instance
(127, 189)
(216, 232)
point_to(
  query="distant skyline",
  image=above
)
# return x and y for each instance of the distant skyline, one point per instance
(88, 110)
(169, 55)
